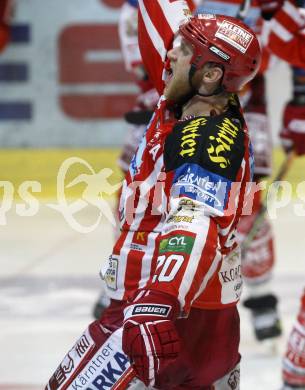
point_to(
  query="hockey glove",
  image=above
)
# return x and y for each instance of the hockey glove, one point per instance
(150, 339)
(269, 7)
(293, 132)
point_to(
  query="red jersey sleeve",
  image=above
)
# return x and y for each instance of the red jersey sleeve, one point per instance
(158, 23)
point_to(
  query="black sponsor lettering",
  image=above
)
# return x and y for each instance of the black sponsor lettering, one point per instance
(111, 372)
(109, 376)
(105, 352)
(101, 383)
(224, 276)
(231, 275)
(234, 379)
(82, 346)
(121, 360)
(75, 386)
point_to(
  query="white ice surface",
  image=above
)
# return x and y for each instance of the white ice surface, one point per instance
(49, 282)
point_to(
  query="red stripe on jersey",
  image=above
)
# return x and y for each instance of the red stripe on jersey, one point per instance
(118, 245)
(206, 260)
(287, 21)
(211, 296)
(133, 272)
(292, 51)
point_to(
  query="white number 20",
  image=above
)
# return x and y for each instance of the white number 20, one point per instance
(163, 264)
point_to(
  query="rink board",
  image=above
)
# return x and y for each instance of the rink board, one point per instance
(43, 165)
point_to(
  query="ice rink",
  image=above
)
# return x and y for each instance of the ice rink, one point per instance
(49, 278)
(49, 281)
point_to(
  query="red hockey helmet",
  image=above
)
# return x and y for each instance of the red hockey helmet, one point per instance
(226, 41)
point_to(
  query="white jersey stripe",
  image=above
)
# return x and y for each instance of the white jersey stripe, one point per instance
(171, 10)
(293, 13)
(149, 354)
(209, 274)
(145, 187)
(199, 244)
(281, 31)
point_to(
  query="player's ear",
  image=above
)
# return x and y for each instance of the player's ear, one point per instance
(212, 74)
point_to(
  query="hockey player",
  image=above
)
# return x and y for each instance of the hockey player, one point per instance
(176, 259)
(287, 40)
(258, 259)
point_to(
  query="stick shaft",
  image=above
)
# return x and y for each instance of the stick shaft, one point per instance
(125, 379)
(243, 9)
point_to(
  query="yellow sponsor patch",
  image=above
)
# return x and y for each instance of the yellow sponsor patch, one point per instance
(222, 143)
(189, 137)
(181, 218)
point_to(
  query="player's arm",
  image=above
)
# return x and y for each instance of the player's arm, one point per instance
(158, 23)
(287, 36)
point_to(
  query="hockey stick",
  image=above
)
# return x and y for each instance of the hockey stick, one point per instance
(262, 211)
(141, 117)
(243, 9)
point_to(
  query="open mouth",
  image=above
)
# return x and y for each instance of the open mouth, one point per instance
(169, 75)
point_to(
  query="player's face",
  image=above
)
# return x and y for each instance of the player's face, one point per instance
(177, 84)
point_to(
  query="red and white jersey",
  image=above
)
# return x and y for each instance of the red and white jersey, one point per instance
(184, 192)
(287, 34)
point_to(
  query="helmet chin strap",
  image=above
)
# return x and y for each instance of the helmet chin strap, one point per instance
(217, 91)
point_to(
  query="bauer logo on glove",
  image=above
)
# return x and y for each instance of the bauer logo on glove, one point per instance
(157, 310)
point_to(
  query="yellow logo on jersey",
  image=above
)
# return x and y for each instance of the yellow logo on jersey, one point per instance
(188, 139)
(222, 142)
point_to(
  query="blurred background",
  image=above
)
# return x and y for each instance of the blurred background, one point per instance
(64, 91)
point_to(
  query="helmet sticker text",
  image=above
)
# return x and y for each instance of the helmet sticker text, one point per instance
(234, 35)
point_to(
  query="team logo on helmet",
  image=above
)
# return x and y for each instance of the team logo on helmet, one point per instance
(234, 35)
(206, 16)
